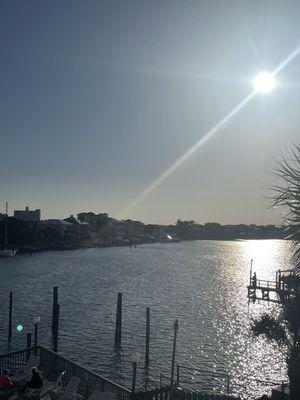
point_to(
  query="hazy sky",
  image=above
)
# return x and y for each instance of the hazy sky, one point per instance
(98, 98)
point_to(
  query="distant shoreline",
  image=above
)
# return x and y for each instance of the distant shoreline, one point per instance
(81, 246)
(89, 230)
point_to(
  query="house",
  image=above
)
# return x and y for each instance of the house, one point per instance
(28, 215)
(57, 223)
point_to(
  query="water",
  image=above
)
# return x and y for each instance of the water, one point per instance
(202, 283)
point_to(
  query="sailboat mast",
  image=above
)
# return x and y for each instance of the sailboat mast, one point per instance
(6, 216)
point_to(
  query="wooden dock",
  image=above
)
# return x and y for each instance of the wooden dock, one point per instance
(283, 289)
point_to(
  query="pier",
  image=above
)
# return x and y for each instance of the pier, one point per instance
(283, 289)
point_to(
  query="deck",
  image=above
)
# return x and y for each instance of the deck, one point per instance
(52, 365)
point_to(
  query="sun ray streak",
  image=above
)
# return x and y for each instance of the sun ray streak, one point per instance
(286, 61)
(191, 74)
(178, 73)
(203, 139)
(187, 154)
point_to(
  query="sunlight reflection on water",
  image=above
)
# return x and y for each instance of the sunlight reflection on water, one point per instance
(203, 284)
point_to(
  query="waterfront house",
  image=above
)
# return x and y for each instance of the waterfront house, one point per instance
(28, 215)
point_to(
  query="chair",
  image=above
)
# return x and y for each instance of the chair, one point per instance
(97, 395)
(54, 386)
(24, 374)
(65, 393)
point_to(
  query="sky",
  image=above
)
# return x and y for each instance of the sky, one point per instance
(98, 99)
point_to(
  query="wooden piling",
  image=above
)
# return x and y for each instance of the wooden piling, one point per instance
(54, 305)
(133, 379)
(55, 331)
(147, 337)
(35, 338)
(28, 345)
(118, 330)
(228, 385)
(174, 351)
(28, 336)
(10, 316)
(177, 376)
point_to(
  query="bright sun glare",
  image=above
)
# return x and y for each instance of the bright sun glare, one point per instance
(264, 82)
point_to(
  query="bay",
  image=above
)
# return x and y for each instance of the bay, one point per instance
(203, 284)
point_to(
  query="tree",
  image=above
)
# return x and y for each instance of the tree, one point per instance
(287, 195)
(285, 328)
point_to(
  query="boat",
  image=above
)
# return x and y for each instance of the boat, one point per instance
(7, 252)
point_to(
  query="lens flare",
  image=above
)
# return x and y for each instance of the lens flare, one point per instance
(20, 328)
(264, 82)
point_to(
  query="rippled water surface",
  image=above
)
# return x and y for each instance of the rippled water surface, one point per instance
(202, 283)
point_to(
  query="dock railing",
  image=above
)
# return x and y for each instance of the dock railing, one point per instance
(267, 284)
(52, 365)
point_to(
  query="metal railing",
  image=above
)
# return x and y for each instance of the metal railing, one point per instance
(52, 365)
(15, 361)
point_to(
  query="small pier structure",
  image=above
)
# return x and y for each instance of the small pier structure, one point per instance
(285, 286)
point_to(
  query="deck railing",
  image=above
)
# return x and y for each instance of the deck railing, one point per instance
(14, 361)
(52, 365)
(267, 284)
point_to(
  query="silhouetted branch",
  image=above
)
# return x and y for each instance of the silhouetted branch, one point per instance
(287, 195)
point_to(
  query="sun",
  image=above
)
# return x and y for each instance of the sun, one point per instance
(264, 82)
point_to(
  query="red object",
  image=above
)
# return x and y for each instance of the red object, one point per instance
(5, 381)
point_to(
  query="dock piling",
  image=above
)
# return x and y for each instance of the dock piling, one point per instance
(55, 331)
(147, 337)
(228, 385)
(10, 316)
(54, 304)
(174, 352)
(177, 375)
(28, 344)
(35, 337)
(118, 330)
